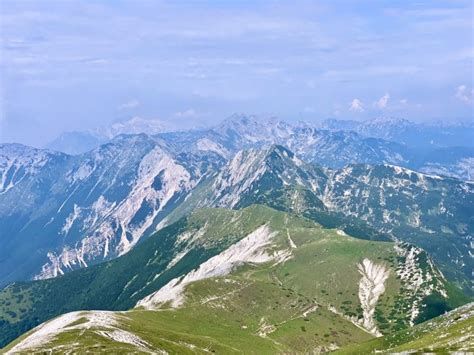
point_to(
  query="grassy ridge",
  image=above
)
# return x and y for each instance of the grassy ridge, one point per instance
(303, 304)
(120, 283)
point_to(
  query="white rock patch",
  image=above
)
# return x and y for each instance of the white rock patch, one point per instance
(250, 249)
(208, 145)
(71, 219)
(48, 331)
(45, 332)
(417, 282)
(290, 241)
(110, 223)
(371, 286)
(122, 336)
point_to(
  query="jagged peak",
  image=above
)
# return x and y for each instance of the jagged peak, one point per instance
(249, 166)
(266, 155)
(253, 125)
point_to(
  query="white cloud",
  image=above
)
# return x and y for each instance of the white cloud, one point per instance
(129, 105)
(97, 61)
(189, 113)
(356, 106)
(382, 102)
(463, 94)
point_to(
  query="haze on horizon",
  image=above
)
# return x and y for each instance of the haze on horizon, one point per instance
(74, 65)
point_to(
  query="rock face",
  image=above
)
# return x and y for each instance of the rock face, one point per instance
(77, 210)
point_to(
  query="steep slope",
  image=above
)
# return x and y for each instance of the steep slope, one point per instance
(451, 332)
(243, 131)
(253, 276)
(424, 147)
(274, 168)
(431, 212)
(84, 209)
(20, 165)
(372, 202)
(28, 179)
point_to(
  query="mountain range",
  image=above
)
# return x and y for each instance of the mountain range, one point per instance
(422, 135)
(280, 236)
(78, 142)
(434, 149)
(80, 210)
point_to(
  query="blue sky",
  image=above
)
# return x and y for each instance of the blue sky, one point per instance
(70, 65)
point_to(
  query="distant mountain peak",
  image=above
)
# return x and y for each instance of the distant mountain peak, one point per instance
(76, 142)
(136, 125)
(388, 119)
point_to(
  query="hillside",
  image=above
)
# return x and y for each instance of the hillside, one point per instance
(451, 332)
(371, 202)
(261, 273)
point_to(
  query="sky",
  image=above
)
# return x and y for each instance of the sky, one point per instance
(75, 65)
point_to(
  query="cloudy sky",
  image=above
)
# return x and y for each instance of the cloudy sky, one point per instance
(70, 65)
